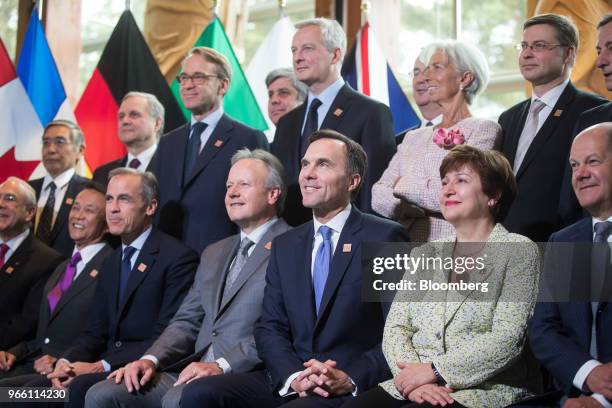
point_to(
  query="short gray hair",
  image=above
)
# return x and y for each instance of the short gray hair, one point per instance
(288, 73)
(465, 57)
(275, 168)
(28, 191)
(332, 34)
(76, 134)
(150, 186)
(156, 109)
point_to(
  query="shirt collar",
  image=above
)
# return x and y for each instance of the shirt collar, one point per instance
(551, 97)
(144, 156)
(256, 235)
(211, 119)
(595, 221)
(328, 95)
(138, 242)
(336, 223)
(14, 242)
(60, 181)
(89, 251)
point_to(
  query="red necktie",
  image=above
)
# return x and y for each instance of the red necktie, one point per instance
(3, 250)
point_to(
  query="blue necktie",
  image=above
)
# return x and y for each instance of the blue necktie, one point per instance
(126, 268)
(322, 264)
(311, 125)
(193, 149)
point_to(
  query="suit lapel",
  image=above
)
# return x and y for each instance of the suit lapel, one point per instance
(338, 108)
(62, 215)
(549, 127)
(179, 152)
(19, 257)
(217, 141)
(303, 279)
(515, 132)
(230, 253)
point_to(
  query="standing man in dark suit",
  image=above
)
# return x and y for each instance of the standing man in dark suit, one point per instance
(193, 160)
(212, 332)
(68, 294)
(318, 48)
(319, 342)
(141, 123)
(572, 337)
(537, 133)
(140, 287)
(62, 147)
(25, 263)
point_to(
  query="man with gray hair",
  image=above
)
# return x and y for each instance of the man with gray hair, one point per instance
(141, 123)
(212, 332)
(318, 49)
(25, 264)
(285, 93)
(62, 147)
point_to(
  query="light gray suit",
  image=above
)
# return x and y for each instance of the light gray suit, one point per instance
(204, 319)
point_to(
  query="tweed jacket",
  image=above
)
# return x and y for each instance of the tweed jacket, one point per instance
(409, 189)
(479, 347)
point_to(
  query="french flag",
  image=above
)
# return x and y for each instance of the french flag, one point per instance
(366, 69)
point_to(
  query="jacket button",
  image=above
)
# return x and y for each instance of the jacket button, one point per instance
(118, 344)
(214, 333)
(46, 341)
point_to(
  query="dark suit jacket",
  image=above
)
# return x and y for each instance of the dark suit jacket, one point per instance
(560, 333)
(356, 116)
(193, 210)
(56, 331)
(60, 238)
(101, 173)
(347, 329)
(535, 212)
(160, 279)
(22, 279)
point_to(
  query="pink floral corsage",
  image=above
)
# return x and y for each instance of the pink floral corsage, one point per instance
(447, 139)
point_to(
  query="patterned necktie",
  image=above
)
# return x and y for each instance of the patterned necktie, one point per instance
(45, 223)
(529, 133)
(193, 149)
(126, 269)
(602, 232)
(311, 126)
(3, 250)
(134, 163)
(64, 283)
(321, 265)
(241, 257)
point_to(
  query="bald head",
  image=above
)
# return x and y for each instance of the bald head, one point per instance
(17, 207)
(591, 162)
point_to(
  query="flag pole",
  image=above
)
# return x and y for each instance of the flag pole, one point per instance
(282, 8)
(127, 5)
(365, 10)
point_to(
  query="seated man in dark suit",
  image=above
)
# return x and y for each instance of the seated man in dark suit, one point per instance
(319, 342)
(62, 147)
(212, 332)
(318, 48)
(141, 123)
(68, 294)
(572, 337)
(140, 287)
(25, 263)
(193, 160)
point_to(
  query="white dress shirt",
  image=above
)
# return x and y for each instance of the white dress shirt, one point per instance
(143, 157)
(550, 99)
(211, 123)
(87, 253)
(61, 184)
(434, 122)
(326, 97)
(13, 244)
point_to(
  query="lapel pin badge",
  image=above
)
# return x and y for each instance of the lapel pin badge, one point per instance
(558, 112)
(69, 200)
(347, 247)
(142, 267)
(268, 245)
(338, 112)
(218, 143)
(10, 270)
(93, 273)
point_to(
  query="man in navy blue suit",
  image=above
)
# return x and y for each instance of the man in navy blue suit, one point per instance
(573, 340)
(140, 287)
(319, 342)
(193, 161)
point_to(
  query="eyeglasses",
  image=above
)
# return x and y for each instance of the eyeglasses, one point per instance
(197, 79)
(538, 46)
(58, 141)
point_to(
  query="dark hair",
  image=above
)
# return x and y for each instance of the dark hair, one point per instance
(93, 185)
(494, 171)
(567, 33)
(356, 157)
(605, 20)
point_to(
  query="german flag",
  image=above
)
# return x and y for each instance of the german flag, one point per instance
(126, 65)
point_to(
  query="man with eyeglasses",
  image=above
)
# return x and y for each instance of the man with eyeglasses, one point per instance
(537, 132)
(62, 147)
(193, 161)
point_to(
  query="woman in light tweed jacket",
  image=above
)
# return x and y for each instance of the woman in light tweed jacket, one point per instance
(408, 189)
(465, 348)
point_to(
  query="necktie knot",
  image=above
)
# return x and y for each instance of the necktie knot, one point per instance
(602, 231)
(198, 129)
(536, 106)
(128, 251)
(51, 187)
(134, 163)
(429, 123)
(314, 105)
(325, 232)
(76, 257)
(245, 244)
